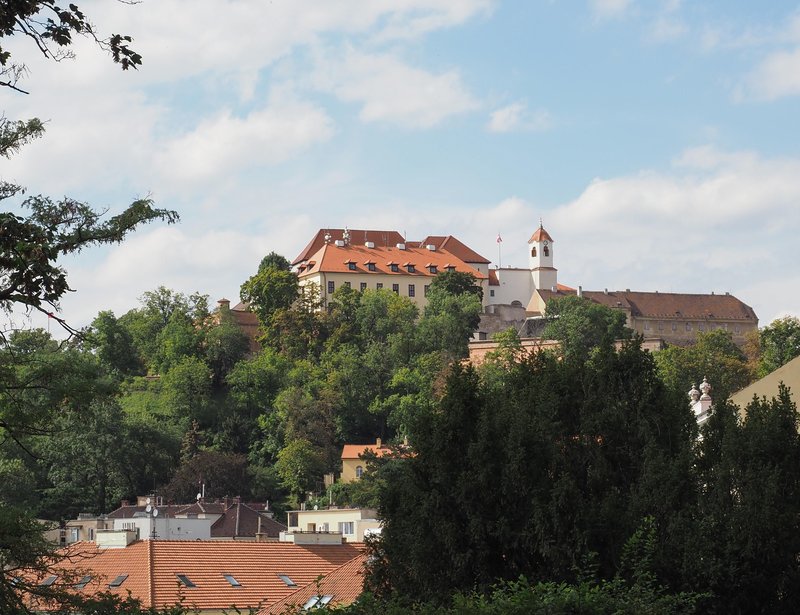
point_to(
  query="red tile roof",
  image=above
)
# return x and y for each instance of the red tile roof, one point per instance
(455, 247)
(668, 305)
(344, 585)
(354, 451)
(152, 565)
(333, 259)
(540, 235)
(379, 238)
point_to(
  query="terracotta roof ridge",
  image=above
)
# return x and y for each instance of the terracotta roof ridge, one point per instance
(150, 581)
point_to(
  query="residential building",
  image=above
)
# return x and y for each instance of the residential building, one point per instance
(353, 464)
(676, 318)
(338, 588)
(384, 260)
(351, 524)
(768, 386)
(212, 577)
(85, 527)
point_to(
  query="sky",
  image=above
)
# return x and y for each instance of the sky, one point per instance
(657, 141)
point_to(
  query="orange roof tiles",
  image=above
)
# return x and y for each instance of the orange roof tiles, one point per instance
(354, 451)
(152, 566)
(379, 238)
(344, 585)
(332, 259)
(540, 235)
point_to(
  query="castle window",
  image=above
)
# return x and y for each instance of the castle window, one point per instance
(363, 286)
(674, 326)
(533, 251)
(411, 290)
(426, 288)
(546, 251)
(379, 286)
(359, 471)
(331, 286)
(347, 284)
(396, 289)
(688, 326)
(491, 292)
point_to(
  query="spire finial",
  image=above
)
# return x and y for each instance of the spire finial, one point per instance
(540, 222)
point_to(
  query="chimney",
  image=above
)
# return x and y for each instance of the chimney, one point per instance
(378, 443)
(580, 291)
(401, 246)
(369, 244)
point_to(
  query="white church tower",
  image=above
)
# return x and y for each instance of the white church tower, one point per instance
(540, 259)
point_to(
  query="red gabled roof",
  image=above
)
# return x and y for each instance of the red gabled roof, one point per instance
(354, 451)
(344, 585)
(243, 521)
(333, 259)
(152, 566)
(455, 247)
(379, 238)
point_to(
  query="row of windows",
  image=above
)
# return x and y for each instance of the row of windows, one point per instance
(412, 289)
(395, 267)
(701, 326)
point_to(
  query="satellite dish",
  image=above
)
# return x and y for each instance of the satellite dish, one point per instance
(147, 501)
(198, 497)
(148, 508)
(155, 512)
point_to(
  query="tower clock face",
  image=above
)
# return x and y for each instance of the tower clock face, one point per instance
(546, 243)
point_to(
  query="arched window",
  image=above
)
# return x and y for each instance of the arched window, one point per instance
(359, 471)
(533, 251)
(546, 251)
(516, 303)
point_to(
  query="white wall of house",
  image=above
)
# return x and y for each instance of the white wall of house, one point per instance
(167, 528)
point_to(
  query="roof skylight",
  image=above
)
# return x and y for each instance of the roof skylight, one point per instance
(185, 581)
(287, 580)
(118, 581)
(230, 579)
(83, 582)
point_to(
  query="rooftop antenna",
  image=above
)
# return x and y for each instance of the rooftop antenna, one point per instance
(327, 237)
(152, 513)
(346, 236)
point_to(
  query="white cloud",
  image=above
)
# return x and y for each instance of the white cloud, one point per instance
(390, 90)
(721, 221)
(609, 8)
(516, 117)
(223, 143)
(778, 75)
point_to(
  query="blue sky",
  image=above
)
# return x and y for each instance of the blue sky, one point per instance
(657, 140)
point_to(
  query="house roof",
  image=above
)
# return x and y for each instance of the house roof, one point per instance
(354, 451)
(331, 258)
(242, 521)
(152, 566)
(788, 374)
(344, 585)
(450, 244)
(667, 305)
(540, 235)
(379, 238)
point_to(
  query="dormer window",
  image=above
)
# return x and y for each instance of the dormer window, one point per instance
(370, 266)
(450, 267)
(393, 267)
(432, 268)
(410, 267)
(351, 265)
